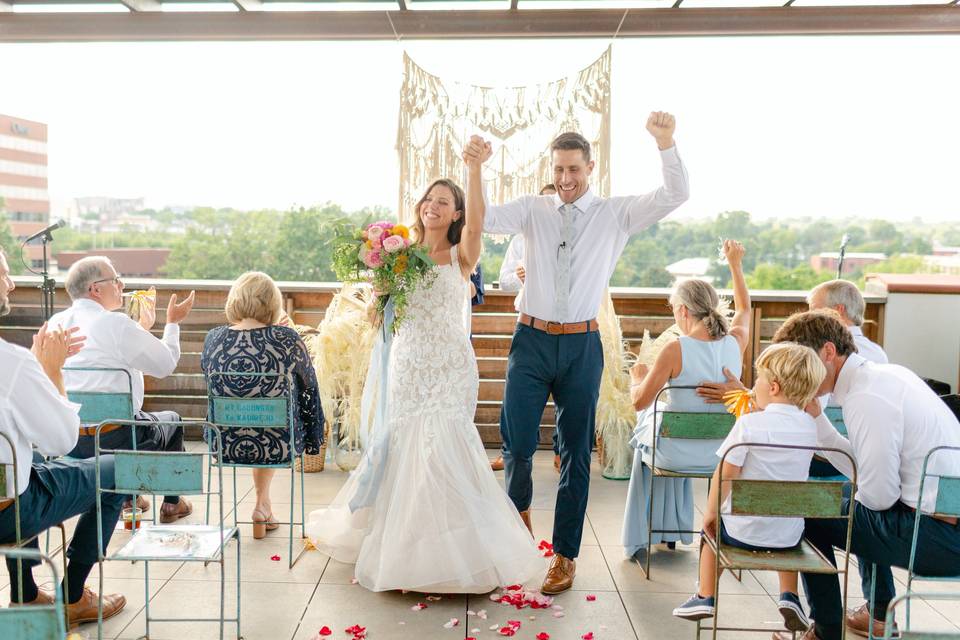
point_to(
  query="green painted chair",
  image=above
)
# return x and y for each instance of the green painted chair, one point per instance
(5, 488)
(910, 634)
(274, 412)
(161, 473)
(778, 499)
(681, 425)
(947, 504)
(35, 621)
(100, 406)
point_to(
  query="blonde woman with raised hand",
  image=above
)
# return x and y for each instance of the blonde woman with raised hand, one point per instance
(709, 342)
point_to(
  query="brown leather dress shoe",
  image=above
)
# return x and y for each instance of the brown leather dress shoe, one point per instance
(43, 597)
(85, 609)
(525, 516)
(858, 621)
(497, 465)
(142, 503)
(789, 635)
(173, 512)
(559, 575)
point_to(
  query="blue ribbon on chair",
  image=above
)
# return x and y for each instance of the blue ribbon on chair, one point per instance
(374, 461)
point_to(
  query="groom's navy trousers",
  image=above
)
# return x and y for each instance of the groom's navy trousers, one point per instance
(569, 367)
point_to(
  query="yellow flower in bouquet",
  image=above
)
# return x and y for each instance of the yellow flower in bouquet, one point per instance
(400, 265)
(740, 402)
(400, 230)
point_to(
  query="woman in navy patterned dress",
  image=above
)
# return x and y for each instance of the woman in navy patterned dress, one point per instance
(254, 343)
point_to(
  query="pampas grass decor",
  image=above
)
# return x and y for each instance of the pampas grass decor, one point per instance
(615, 414)
(342, 357)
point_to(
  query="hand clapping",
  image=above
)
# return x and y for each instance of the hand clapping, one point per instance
(177, 312)
(52, 347)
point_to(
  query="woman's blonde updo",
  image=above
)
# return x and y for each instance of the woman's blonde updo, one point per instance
(702, 300)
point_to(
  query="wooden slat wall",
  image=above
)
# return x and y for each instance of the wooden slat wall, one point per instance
(493, 324)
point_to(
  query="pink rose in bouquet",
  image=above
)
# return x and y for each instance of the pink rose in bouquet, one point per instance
(373, 258)
(392, 244)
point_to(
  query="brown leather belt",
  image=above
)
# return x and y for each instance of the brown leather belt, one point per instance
(558, 328)
(952, 520)
(6, 502)
(92, 431)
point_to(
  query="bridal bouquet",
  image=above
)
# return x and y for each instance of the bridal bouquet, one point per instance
(382, 254)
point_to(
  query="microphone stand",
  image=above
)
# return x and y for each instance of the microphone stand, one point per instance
(47, 285)
(843, 251)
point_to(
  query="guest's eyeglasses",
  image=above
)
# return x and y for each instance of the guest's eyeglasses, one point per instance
(114, 280)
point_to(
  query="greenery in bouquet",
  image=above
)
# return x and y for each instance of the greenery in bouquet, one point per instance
(383, 255)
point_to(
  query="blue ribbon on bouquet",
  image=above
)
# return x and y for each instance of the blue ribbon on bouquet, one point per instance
(374, 462)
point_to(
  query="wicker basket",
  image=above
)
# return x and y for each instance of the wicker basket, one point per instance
(314, 463)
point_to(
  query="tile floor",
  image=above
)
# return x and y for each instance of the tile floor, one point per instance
(280, 603)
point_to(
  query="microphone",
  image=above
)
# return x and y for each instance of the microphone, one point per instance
(563, 245)
(59, 224)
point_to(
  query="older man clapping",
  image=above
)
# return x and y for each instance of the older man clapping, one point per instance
(114, 341)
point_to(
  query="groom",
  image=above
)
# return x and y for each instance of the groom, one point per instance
(573, 240)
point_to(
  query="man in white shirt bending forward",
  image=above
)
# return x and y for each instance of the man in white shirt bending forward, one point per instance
(114, 341)
(572, 241)
(893, 420)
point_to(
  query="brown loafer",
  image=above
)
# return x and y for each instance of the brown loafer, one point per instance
(497, 465)
(858, 621)
(173, 512)
(142, 503)
(43, 597)
(559, 575)
(790, 635)
(85, 609)
(525, 516)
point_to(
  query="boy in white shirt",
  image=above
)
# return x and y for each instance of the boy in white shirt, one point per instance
(788, 376)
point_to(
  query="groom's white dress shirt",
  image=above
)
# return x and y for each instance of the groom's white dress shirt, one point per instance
(114, 341)
(593, 233)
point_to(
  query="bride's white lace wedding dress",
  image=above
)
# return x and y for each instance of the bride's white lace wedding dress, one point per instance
(439, 521)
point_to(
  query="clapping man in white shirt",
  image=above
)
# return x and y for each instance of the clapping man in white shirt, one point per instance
(572, 241)
(845, 298)
(114, 341)
(34, 412)
(893, 420)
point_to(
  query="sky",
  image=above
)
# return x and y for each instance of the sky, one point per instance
(839, 127)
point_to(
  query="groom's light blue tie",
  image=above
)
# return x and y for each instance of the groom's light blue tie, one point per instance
(561, 303)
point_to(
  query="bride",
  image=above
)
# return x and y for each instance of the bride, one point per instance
(436, 519)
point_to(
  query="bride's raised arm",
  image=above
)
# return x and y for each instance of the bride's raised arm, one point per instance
(471, 240)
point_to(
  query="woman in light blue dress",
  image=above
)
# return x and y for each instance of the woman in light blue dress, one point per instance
(708, 344)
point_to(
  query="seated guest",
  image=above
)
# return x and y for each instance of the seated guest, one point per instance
(254, 343)
(844, 298)
(709, 342)
(893, 420)
(512, 276)
(788, 376)
(114, 341)
(34, 412)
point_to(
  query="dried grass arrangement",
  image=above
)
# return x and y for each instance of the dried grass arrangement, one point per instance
(342, 357)
(615, 415)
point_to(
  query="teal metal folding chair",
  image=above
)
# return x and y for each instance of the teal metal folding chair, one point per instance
(37, 620)
(103, 406)
(19, 540)
(820, 464)
(680, 425)
(167, 473)
(909, 634)
(778, 499)
(273, 412)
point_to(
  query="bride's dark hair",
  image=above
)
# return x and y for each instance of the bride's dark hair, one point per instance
(459, 204)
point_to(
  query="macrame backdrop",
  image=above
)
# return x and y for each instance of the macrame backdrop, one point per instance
(437, 118)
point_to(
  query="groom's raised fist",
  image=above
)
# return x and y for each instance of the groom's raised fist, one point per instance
(661, 126)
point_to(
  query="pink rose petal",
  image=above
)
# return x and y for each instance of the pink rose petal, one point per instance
(543, 635)
(453, 622)
(587, 636)
(591, 597)
(420, 606)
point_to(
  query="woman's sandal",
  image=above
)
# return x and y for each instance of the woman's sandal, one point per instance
(262, 523)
